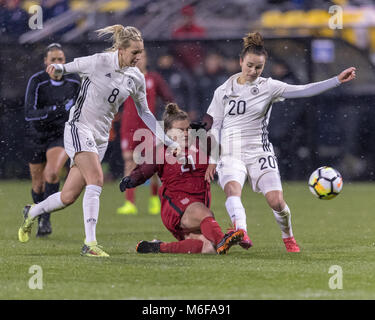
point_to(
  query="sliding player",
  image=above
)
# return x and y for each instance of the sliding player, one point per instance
(185, 195)
(241, 110)
(109, 79)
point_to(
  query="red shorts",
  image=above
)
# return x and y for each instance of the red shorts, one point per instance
(171, 214)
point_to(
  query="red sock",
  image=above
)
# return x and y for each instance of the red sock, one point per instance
(154, 189)
(184, 246)
(130, 195)
(211, 230)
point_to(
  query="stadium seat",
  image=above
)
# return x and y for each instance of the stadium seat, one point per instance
(294, 19)
(28, 3)
(271, 19)
(111, 6)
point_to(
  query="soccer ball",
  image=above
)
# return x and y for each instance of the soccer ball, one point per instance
(325, 183)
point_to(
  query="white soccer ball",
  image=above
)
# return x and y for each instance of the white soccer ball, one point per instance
(325, 183)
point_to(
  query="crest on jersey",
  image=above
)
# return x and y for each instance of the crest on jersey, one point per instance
(90, 143)
(254, 90)
(130, 82)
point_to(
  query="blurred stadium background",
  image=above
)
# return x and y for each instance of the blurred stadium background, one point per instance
(195, 46)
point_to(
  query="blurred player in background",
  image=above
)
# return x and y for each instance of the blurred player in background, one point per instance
(185, 195)
(156, 88)
(241, 110)
(47, 104)
(109, 78)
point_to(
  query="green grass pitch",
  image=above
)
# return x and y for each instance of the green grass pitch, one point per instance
(335, 232)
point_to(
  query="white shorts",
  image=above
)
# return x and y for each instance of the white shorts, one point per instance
(77, 138)
(232, 169)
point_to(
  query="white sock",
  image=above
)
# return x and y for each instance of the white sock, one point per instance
(236, 212)
(91, 211)
(283, 219)
(52, 203)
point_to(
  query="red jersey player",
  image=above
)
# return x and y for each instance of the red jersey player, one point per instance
(185, 195)
(155, 87)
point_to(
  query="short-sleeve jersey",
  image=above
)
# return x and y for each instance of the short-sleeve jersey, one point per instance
(105, 87)
(245, 112)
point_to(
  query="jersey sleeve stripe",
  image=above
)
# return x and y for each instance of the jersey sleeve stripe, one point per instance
(265, 142)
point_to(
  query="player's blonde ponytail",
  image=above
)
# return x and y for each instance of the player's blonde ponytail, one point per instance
(253, 43)
(121, 36)
(173, 113)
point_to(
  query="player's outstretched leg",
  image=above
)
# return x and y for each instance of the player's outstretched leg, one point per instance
(25, 230)
(229, 239)
(148, 246)
(183, 246)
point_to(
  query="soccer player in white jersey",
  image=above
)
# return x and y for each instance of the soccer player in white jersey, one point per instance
(109, 78)
(241, 110)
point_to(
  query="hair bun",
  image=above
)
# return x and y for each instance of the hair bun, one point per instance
(253, 39)
(172, 108)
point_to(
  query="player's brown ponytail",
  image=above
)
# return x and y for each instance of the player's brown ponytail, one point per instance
(121, 36)
(253, 43)
(173, 113)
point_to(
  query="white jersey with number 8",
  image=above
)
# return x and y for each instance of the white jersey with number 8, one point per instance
(104, 89)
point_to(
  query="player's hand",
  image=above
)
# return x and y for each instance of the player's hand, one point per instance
(55, 70)
(347, 75)
(210, 172)
(125, 183)
(174, 149)
(198, 125)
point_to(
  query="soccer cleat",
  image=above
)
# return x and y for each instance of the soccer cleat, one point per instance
(92, 249)
(291, 245)
(245, 243)
(148, 246)
(128, 208)
(25, 230)
(229, 239)
(44, 225)
(154, 205)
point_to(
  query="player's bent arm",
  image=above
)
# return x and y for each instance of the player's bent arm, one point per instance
(309, 90)
(82, 65)
(32, 112)
(149, 119)
(138, 176)
(215, 136)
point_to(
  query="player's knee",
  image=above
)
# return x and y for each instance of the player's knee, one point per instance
(68, 198)
(232, 188)
(96, 180)
(275, 200)
(51, 176)
(208, 247)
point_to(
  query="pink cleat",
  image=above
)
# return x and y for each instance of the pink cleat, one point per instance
(291, 245)
(245, 243)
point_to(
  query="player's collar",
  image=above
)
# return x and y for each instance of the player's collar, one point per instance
(229, 87)
(57, 83)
